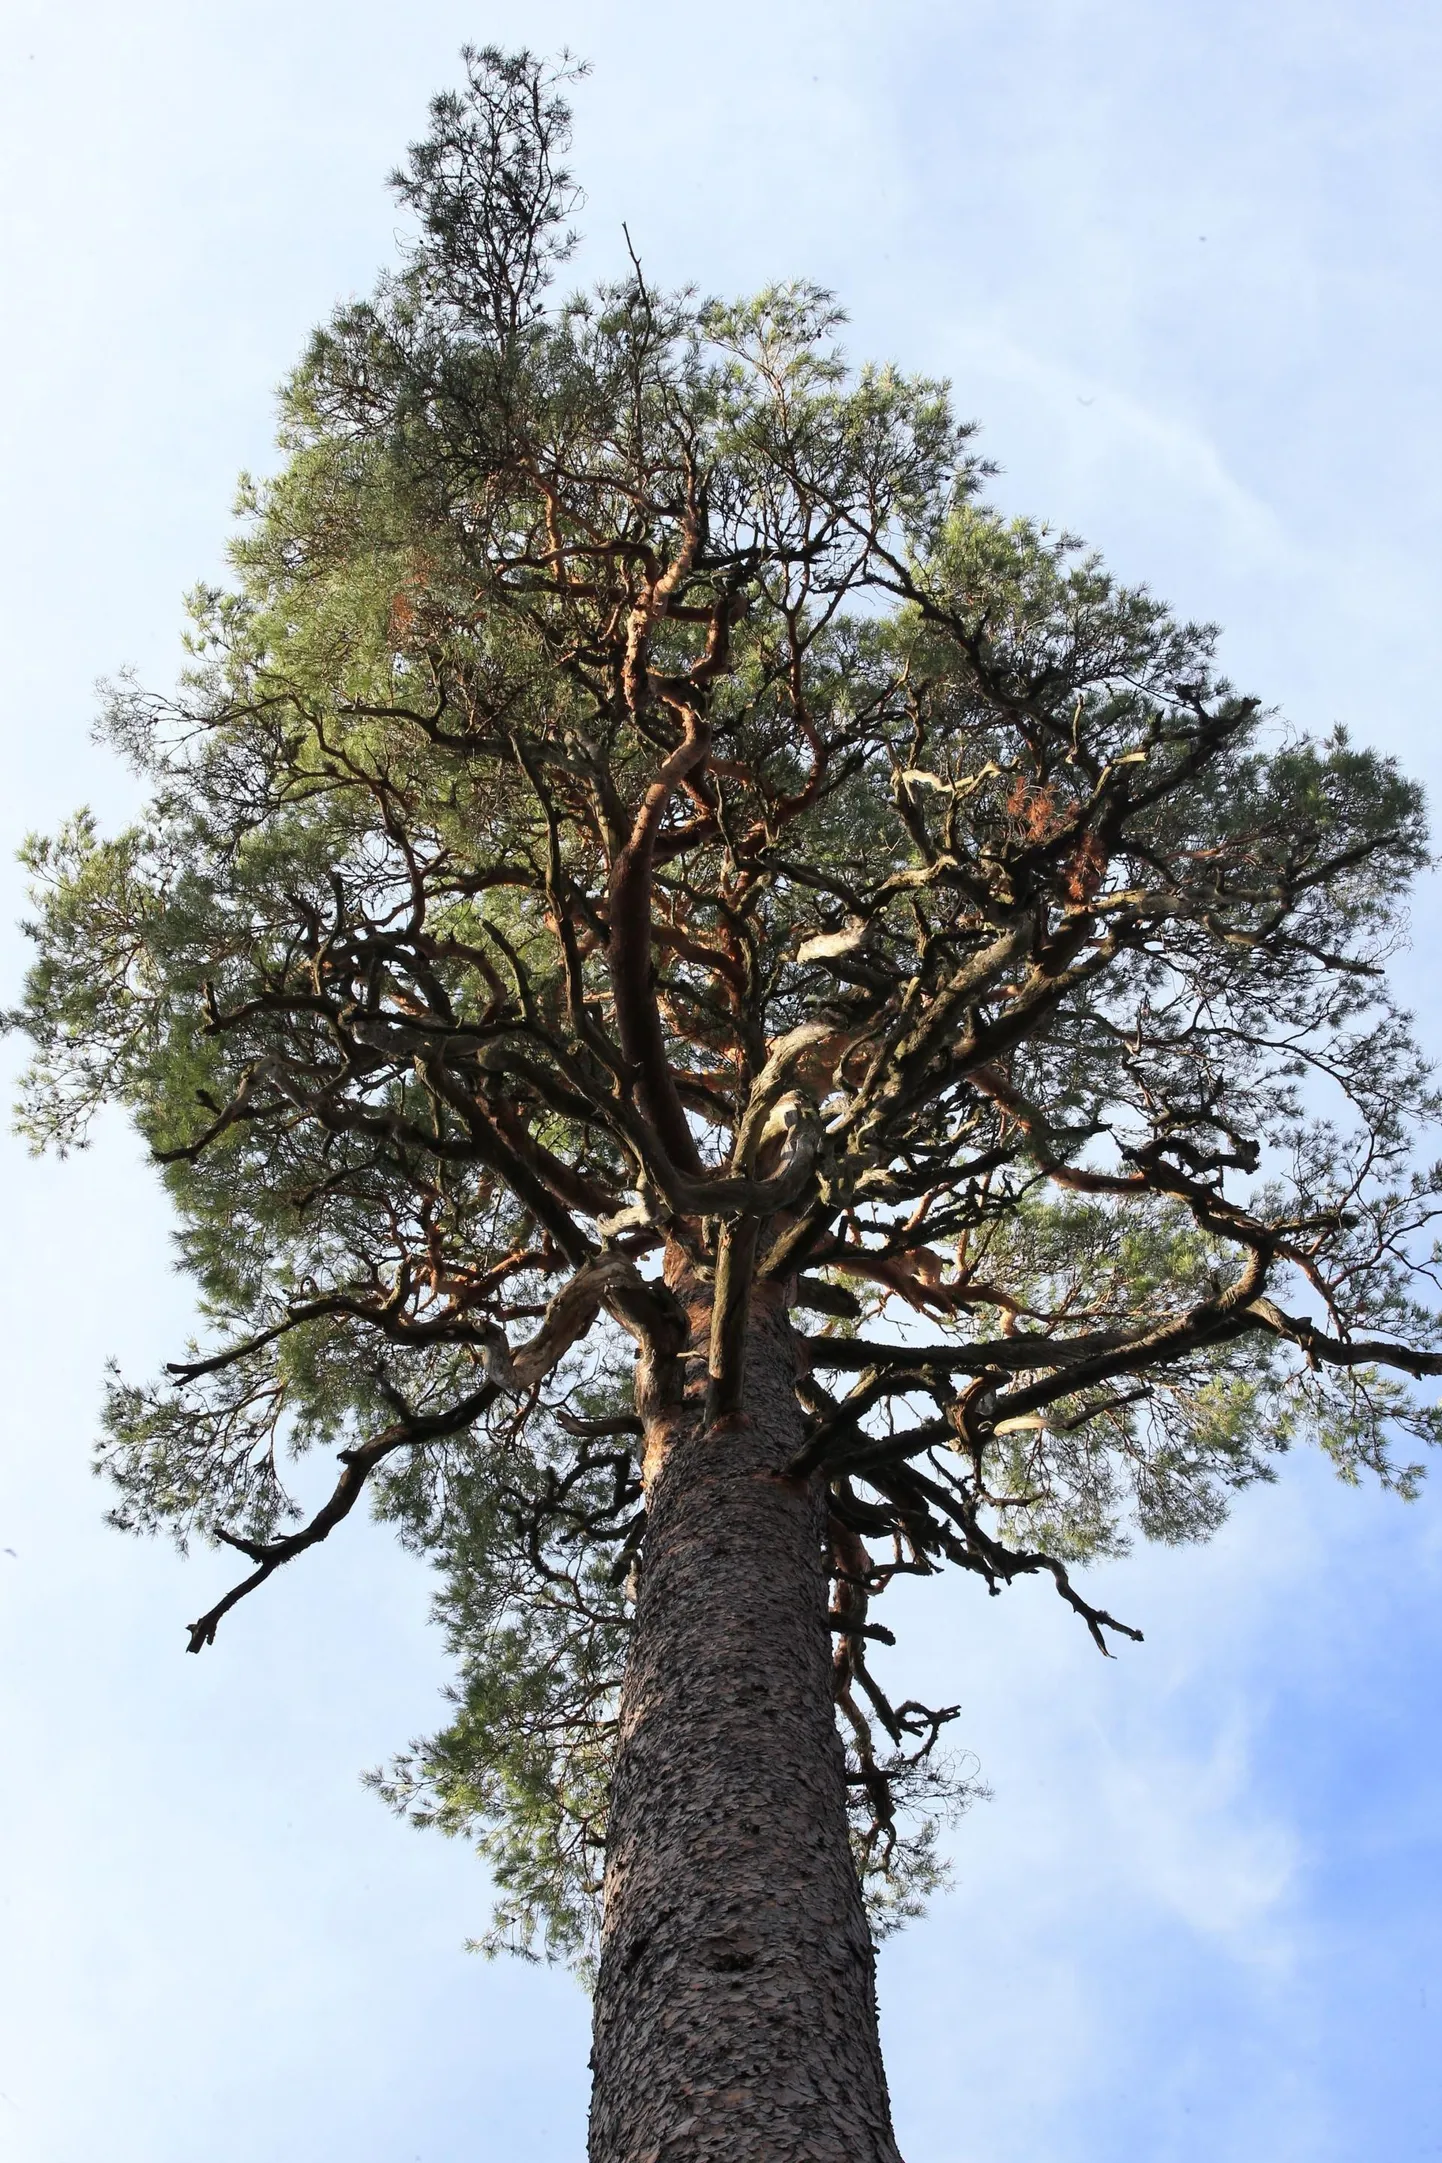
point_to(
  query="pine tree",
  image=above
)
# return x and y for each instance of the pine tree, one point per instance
(725, 1025)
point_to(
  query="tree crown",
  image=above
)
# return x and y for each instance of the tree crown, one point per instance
(636, 803)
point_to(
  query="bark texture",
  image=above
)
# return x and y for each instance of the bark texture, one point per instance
(736, 2001)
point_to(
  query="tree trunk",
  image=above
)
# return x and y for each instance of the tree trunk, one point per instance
(735, 2017)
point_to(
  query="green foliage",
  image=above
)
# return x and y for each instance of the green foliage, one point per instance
(523, 1767)
(1092, 1097)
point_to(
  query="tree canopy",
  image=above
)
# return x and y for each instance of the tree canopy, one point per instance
(637, 809)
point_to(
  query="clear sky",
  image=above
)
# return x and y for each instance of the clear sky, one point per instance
(1181, 260)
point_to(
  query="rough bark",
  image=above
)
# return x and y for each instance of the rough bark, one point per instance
(736, 2004)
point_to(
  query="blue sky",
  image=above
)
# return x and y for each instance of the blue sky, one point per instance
(1181, 262)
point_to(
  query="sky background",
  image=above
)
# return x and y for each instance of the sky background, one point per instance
(1181, 261)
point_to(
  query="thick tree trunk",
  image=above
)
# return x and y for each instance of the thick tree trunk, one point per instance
(736, 2005)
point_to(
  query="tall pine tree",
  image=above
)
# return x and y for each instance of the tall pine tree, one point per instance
(724, 1025)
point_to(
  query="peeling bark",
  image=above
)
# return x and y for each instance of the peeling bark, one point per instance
(736, 2002)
